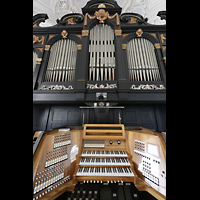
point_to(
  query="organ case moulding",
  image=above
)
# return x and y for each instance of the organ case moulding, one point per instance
(101, 15)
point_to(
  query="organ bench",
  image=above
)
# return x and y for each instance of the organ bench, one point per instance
(99, 156)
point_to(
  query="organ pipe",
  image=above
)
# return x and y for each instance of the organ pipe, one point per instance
(35, 56)
(62, 61)
(142, 61)
(102, 53)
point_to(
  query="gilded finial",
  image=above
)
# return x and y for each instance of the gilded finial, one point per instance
(101, 5)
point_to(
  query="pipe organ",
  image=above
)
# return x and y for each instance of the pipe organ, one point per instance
(113, 65)
(102, 47)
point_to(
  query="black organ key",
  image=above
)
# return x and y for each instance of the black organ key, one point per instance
(84, 169)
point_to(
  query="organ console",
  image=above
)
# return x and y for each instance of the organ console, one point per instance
(85, 164)
(104, 157)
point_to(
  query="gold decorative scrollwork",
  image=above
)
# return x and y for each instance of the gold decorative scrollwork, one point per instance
(162, 38)
(36, 39)
(157, 45)
(133, 20)
(101, 15)
(70, 21)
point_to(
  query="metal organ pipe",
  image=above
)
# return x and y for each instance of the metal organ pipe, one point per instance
(102, 53)
(62, 61)
(35, 56)
(142, 61)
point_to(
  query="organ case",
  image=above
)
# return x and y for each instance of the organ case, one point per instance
(87, 50)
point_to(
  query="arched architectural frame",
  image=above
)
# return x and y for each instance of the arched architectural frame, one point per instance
(72, 37)
(117, 43)
(157, 52)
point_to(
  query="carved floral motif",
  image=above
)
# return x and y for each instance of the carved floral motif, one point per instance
(147, 87)
(102, 86)
(56, 87)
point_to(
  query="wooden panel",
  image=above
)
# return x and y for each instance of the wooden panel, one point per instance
(140, 116)
(105, 134)
(63, 115)
(130, 117)
(160, 112)
(149, 161)
(65, 168)
(40, 117)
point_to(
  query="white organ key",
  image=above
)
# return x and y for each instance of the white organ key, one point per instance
(105, 171)
(105, 161)
(104, 153)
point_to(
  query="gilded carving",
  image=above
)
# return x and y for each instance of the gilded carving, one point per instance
(36, 39)
(163, 48)
(86, 16)
(70, 21)
(41, 49)
(64, 33)
(124, 35)
(101, 15)
(50, 36)
(139, 32)
(47, 47)
(79, 46)
(153, 34)
(123, 46)
(101, 5)
(162, 38)
(80, 36)
(133, 20)
(85, 32)
(164, 59)
(118, 32)
(38, 60)
(157, 45)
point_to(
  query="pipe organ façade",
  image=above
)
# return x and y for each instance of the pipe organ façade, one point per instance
(99, 105)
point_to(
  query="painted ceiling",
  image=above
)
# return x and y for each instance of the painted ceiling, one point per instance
(55, 9)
